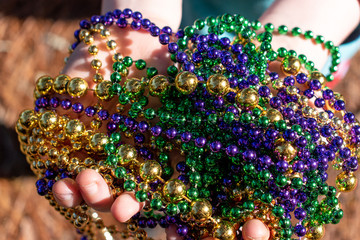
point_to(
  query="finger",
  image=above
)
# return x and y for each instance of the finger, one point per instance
(94, 190)
(255, 229)
(66, 193)
(125, 206)
(171, 233)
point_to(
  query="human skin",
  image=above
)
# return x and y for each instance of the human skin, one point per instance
(318, 16)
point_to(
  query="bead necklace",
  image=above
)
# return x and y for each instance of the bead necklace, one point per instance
(252, 145)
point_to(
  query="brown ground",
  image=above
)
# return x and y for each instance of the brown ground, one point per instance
(33, 36)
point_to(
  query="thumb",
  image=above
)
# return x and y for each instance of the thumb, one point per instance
(255, 229)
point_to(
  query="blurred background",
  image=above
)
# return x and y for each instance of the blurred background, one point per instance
(34, 38)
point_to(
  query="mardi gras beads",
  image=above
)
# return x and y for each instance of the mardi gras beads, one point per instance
(251, 143)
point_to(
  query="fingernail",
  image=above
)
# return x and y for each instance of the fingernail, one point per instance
(255, 238)
(64, 196)
(91, 188)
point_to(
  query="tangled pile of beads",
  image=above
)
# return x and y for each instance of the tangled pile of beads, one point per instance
(254, 143)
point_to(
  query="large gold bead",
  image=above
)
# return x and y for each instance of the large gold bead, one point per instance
(247, 98)
(97, 141)
(27, 119)
(186, 82)
(217, 84)
(74, 129)
(102, 90)
(60, 83)
(126, 153)
(286, 151)
(48, 121)
(315, 233)
(158, 85)
(44, 84)
(201, 209)
(274, 115)
(133, 86)
(318, 76)
(290, 65)
(225, 231)
(150, 170)
(77, 87)
(174, 190)
(346, 182)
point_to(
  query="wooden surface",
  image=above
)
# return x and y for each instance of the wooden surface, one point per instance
(33, 36)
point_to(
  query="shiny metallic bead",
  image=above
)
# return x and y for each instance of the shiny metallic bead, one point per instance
(102, 90)
(346, 182)
(290, 65)
(293, 106)
(308, 111)
(225, 231)
(292, 90)
(133, 86)
(95, 124)
(44, 84)
(315, 233)
(217, 84)
(186, 82)
(132, 226)
(53, 153)
(60, 83)
(266, 80)
(19, 129)
(93, 50)
(277, 84)
(303, 100)
(117, 57)
(83, 33)
(247, 98)
(97, 141)
(318, 76)
(126, 153)
(357, 154)
(274, 115)
(158, 85)
(111, 44)
(105, 33)
(27, 119)
(150, 170)
(98, 27)
(37, 94)
(286, 151)
(74, 129)
(174, 190)
(96, 64)
(140, 235)
(323, 117)
(201, 209)
(98, 77)
(88, 39)
(48, 121)
(336, 122)
(77, 87)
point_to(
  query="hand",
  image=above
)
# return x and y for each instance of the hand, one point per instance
(89, 186)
